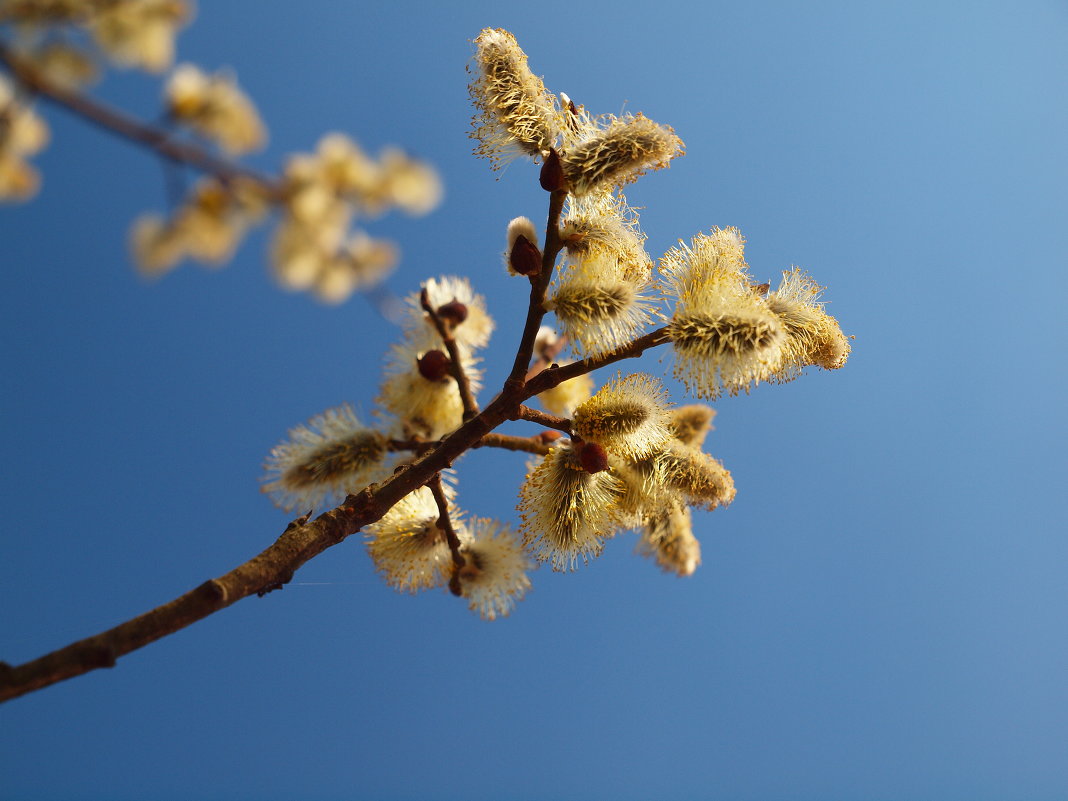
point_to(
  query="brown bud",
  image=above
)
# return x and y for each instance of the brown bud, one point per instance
(552, 173)
(454, 585)
(525, 257)
(433, 365)
(760, 289)
(454, 311)
(592, 457)
(547, 436)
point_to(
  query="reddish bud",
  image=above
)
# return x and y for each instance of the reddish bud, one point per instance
(592, 457)
(433, 365)
(547, 436)
(525, 257)
(760, 290)
(454, 311)
(552, 173)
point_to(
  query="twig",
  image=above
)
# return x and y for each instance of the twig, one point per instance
(535, 444)
(549, 378)
(455, 364)
(538, 284)
(547, 356)
(444, 521)
(543, 418)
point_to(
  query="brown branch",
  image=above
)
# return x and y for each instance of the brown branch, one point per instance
(155, 138)
(536, 444)
(456, 367)
(444, 521)
(547, 356)
(538, 284)
(549, 378)
(543, 419)
(417, 445)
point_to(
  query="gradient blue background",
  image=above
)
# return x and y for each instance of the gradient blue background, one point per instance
(882, 613)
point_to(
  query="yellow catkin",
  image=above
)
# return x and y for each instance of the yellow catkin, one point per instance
(690, 424)
(667, 538)
(626, 148)
(567, 513)
(516, 114)
(813, 337)
(628, 416)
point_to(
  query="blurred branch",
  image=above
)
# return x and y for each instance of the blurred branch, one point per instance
(153, 137)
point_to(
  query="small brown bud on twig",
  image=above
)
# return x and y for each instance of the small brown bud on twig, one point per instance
(552, 173)
(592, 457)
(549, 436)
(525, 257)
(454, 311)
(433, 365)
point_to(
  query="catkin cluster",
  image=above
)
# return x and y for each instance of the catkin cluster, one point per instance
(615, 459)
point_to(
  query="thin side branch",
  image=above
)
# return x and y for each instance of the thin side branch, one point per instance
(456, 367)
(444, 521)
(543, 419)
(550, 377)
(155, 138)
(547, 356)
(536, 444)
(538, 285)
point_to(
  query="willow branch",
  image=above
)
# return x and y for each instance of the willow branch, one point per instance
(456, 367)
(444, 521)
(536, 444)
(538, 285)
(547, 356)
(543, 418)
(304, 539)
(117, 122)
(550, 377)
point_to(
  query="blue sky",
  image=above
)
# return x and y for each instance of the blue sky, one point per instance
(880, 614)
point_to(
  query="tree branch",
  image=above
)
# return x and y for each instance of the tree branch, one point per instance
(543, 418)
(536, 444)
(538, 284)
(456, 367)
(444, 521)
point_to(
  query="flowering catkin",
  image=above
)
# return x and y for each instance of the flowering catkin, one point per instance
(567, 513)
(628, 416)
(494, 574)
(667, 537)
(516, 114)
(813, 337)
(625, 149)
(333, 454)
(409, 548)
